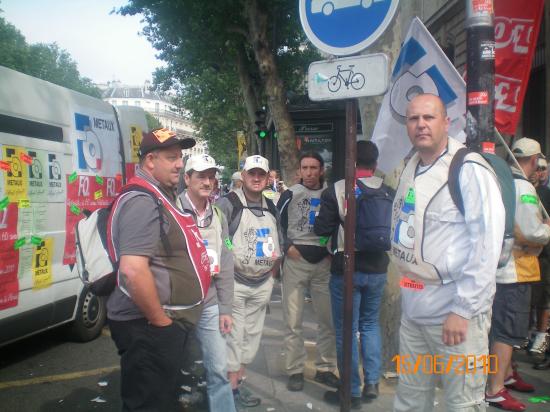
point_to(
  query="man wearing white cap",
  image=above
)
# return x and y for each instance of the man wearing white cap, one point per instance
(254, 228)
(216, 320)
(511, 304)
(236, 181)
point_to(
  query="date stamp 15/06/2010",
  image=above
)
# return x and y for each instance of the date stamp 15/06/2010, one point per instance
(461, 364)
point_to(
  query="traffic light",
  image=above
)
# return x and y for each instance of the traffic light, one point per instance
(261, 128)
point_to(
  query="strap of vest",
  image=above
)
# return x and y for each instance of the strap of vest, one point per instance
(519, 177)
(158, 202)
(238, 210)
(454, 172)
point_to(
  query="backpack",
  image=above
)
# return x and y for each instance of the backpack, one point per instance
(507, 191)
(238, 207)
(373, 218)
(96, 267)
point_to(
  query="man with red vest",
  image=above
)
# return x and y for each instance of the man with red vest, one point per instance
(162, 279)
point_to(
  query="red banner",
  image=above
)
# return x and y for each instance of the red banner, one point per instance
(9, 256)
(517, 25)
(85, 192)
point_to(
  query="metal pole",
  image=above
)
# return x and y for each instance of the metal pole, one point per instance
(480, 67)
(349, 251)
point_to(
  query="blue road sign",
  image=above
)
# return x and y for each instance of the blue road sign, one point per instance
(343, 27)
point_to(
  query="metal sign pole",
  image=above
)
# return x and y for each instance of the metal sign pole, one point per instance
(480, 87)
(349, 250)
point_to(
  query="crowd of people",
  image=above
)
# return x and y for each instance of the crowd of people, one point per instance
(463, 301)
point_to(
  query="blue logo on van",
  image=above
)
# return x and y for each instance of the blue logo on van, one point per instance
(89, 152)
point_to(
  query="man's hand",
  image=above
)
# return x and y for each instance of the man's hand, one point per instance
(293, 253)
(226, 323)
(454, 329)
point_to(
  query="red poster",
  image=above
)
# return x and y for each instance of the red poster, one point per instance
(131, 170)
(8, 227)
(517, 25)
(85, 193)
(9, 284)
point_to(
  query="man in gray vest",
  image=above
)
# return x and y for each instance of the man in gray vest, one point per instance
(254, 228)
(216, 319)
(306, 266)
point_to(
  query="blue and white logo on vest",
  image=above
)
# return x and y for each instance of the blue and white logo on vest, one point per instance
(266, 246)
(343, 27)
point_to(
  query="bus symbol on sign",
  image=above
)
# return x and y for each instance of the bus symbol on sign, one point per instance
(328, 6)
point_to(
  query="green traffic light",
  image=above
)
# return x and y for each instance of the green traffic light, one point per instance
(262, 134)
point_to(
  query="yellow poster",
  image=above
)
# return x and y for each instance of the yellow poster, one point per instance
(136, 136)
(16, 176)
(42, 263)
(241, 144)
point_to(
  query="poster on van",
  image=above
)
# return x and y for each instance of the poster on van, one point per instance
(9, 284)
(85, 193)
(16, 176)
(38, 177)
(96, 144)
(9, 256)
(42, 264)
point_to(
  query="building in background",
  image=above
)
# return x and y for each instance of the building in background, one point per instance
(156, 104)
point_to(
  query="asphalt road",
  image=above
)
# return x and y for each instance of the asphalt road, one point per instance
(47, 373)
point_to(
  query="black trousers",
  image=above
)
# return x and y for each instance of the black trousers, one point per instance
(150, 360)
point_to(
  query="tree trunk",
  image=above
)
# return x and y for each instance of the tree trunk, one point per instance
(250, 100)
(390, 44)
(274, 89)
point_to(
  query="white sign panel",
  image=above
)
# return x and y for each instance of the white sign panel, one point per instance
(348, 78)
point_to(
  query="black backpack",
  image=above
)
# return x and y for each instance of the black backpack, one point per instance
(507, 191)
(373, 218)
(238, 207)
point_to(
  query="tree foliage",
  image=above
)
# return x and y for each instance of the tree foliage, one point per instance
(45, 61)
(201, 42)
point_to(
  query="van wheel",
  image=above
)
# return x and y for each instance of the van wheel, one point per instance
(90, 317)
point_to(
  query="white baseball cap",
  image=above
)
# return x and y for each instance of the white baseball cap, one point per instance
(526, 147)
(236, 176)
(199, 163)
(256, 162)
(542, 163)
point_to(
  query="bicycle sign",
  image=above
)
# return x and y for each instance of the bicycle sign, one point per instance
(350, 77)
(355, 80)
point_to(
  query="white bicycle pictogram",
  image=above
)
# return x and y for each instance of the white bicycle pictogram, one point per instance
(356, 80)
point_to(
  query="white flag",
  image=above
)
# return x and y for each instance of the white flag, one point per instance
(421, 67)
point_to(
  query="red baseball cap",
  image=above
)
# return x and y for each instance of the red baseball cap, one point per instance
(161, 139)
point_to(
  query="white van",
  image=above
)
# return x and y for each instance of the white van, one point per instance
(60, 152)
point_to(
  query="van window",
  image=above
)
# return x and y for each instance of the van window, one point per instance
(22, 127)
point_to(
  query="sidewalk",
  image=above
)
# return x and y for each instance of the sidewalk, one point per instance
(267, 379)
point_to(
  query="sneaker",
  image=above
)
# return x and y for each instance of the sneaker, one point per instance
(370, 392)
(542, 366)
(327, 378)
(333, 397)
(516, 383)
(503, 400)
(295, 382)
(537, 346)
(244, 398)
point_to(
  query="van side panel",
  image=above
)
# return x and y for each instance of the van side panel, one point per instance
(59, 154)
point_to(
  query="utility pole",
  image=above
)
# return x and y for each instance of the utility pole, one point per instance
(480, 82)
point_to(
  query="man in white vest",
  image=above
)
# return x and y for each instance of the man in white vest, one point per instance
(254, 229)
(447, 262)
(511, 306)
(216, 320)
(306, 267)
